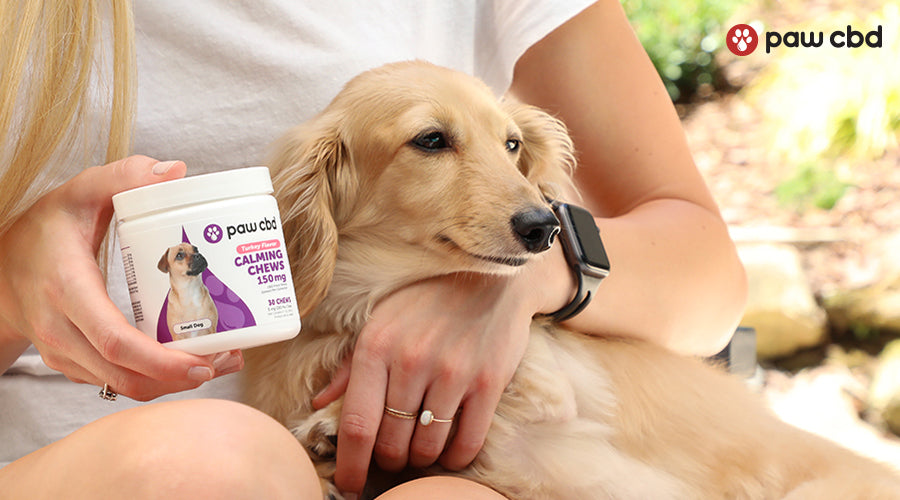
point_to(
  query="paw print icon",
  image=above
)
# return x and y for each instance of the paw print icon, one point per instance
(741, 39)
(213, 233)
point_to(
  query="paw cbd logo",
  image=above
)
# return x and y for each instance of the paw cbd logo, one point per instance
(741, 39)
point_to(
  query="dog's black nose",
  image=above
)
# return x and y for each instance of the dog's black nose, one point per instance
(536, 228)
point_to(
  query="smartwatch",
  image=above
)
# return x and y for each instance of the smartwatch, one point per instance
(583, 248)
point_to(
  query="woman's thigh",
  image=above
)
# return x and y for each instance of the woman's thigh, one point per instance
(195, 448)
(440, 488)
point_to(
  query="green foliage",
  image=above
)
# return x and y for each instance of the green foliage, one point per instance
(828, 102)
(811, 185)
(682, 39)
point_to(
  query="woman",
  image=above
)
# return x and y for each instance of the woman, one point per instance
(218, 82)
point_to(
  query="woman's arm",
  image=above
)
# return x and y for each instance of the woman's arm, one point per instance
(676, 279)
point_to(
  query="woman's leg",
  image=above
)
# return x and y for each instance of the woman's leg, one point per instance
(183, 449)
(440, 488)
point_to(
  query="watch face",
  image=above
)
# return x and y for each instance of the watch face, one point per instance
(588, 237)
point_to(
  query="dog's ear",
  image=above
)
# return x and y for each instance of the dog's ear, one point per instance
(548, 156)
(312, 179)
(164, 262)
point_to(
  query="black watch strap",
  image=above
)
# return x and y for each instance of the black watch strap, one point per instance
(585, 255)
(586, 286)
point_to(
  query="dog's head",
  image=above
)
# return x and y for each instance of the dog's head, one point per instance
(182, 260)
(418, 170)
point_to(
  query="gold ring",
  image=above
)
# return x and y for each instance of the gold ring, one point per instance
(107, 393)
(426, 418)
(399, 414)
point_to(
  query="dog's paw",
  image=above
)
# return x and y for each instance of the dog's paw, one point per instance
(319, 440)
(330, 491)
(318, 433)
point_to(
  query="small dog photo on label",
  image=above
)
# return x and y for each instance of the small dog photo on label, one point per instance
(191, 311)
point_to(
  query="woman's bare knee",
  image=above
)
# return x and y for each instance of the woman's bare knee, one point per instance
(185, 448)
(441, 487)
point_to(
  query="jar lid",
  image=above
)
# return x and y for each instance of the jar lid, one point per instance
(192, 190)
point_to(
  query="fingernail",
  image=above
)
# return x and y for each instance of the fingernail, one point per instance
(162, 167)
(200, 373)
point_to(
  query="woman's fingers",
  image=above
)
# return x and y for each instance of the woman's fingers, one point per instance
(406, 386)
(335, 388)
(92, 312)
(72, 354)
(87, 331)
(440, 412)
(52, 291)
(474, 421)
(360, 418)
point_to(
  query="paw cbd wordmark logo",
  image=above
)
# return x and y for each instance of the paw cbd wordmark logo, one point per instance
(742, 39)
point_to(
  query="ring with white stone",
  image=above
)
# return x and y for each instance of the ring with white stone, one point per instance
(427, 417)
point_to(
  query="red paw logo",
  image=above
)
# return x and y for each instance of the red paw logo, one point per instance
(741, 39)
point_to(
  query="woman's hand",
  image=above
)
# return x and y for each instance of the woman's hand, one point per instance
(450, 345)
(52, 291)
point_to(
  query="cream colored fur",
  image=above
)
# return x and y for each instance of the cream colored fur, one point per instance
(365, 212)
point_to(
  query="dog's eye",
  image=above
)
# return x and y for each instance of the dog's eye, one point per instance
(512, 145)
(179, 255)
(431, 141)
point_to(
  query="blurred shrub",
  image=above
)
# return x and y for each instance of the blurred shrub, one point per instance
(828, 108)
(834, 102)
(681, 39)
(811, 185)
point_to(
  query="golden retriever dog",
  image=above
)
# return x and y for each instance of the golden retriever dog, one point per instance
(415, 171)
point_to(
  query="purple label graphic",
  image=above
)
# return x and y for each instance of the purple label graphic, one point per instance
(233, 312)
(213, 233)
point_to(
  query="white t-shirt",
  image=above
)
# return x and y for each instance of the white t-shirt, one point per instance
(219, 80)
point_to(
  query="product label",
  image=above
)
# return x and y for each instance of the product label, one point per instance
(208, 276)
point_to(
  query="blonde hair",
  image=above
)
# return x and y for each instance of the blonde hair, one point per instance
(48, 61)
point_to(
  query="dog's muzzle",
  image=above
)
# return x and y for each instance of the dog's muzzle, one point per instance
(535, 228)
(198, 265)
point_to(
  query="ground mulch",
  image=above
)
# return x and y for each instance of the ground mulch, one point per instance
(730, 145)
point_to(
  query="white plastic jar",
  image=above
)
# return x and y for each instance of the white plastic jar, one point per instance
(205, 262)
